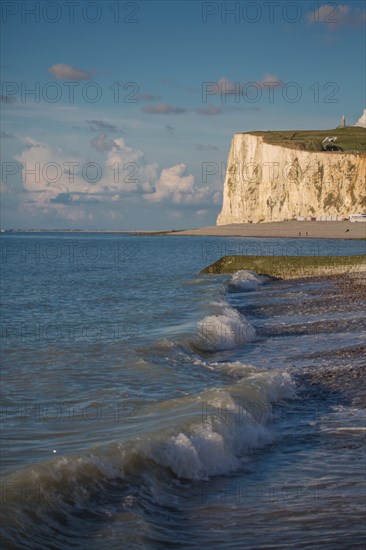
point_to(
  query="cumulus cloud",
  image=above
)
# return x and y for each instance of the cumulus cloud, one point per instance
(163, 109)
(131, 172)
(57, 184)
(172, 184)
(43, 170)
(362, 120)
(54, 182)
(175, 187)
(123, 153)
(66, 72)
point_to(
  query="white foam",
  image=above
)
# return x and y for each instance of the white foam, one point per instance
(213, 448)
(247, 280)
(223, 331)
(233, 423)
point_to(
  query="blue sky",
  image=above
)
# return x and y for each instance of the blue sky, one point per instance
(130, 119)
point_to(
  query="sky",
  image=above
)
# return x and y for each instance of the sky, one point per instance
(119, 115)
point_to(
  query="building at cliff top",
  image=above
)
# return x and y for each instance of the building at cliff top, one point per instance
(277, 176)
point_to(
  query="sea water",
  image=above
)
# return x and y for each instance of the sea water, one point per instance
(145, 405)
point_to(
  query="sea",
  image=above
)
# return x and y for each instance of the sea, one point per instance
(148, 406)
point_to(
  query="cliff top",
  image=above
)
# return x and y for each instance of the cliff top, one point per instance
(351, 139)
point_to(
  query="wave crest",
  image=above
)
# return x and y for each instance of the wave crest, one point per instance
(223, 331)
(247, 280)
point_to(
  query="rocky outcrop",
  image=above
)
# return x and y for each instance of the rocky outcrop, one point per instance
(273, 183)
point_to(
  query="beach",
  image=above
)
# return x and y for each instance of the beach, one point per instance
(289, 229)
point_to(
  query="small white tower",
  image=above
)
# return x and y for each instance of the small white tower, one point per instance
(343, 123)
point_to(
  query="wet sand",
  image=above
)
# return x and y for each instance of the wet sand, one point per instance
(290, 229)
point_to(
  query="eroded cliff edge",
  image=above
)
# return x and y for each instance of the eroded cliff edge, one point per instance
(266, 182)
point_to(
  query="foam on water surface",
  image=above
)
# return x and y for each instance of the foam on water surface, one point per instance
(247, 280)
(223, 331)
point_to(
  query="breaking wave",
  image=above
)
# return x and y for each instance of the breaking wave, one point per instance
(223, 331)
(247, 280)
(225, 425)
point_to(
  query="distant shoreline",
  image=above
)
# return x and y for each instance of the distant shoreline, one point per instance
(288, 229)
(82, 231)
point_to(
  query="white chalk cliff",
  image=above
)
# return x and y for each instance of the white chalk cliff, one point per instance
(267, 183)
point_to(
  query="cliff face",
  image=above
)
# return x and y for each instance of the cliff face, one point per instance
(271, 183)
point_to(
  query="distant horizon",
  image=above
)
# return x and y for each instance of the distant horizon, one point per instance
(75, 230)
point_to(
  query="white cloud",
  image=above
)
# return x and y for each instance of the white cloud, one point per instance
(60, 185)
(45, 179)
(172, 184)
(122, 153)
(48, 171)
(66, 72)
(362, 120)
(175, 187)
(57, 183)
(127, 169)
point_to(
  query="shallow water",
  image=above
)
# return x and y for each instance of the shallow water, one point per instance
(148, 406)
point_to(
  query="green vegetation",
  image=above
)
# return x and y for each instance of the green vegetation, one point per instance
(287, 267)
(350, 139)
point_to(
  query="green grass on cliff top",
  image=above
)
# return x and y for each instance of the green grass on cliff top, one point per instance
(288, 267)
(350, 138)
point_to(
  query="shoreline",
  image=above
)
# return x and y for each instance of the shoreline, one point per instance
(290, 229)
(346, 377)
(344, 292)
(343, 230)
